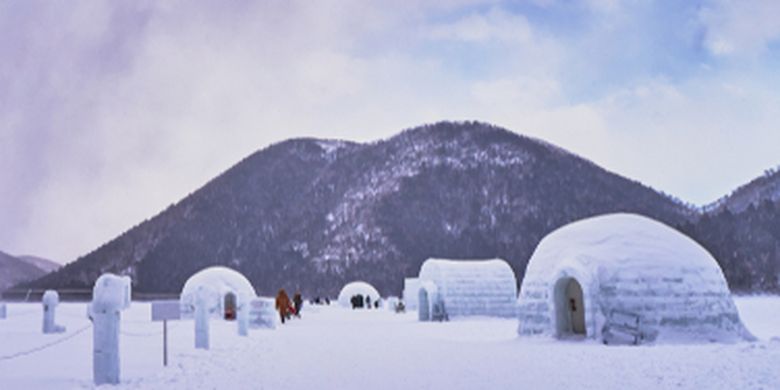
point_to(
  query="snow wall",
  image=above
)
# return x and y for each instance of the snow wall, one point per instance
(411, 292)
(216, 282)
(472, 287)
(628, 266)
(354, 288)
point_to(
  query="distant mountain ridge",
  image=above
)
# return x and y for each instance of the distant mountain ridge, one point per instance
(765, 187)
(19, 269)
(314, 214)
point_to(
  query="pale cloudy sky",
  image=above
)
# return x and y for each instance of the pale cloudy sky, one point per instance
(111, 111)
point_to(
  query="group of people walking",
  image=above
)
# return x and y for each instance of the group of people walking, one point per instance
(288, 308)
(359, 302)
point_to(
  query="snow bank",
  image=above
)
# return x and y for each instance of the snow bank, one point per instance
(355, 288)
(216, 283)
(471, 287)
(629, 269)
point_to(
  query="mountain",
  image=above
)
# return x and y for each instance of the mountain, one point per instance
(15, 270)
(742, 230)
(763, 188)
(314, 214)
(45, 265)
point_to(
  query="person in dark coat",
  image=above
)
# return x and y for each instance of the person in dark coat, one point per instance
(368, 302)
(298, 303)
(354, 302)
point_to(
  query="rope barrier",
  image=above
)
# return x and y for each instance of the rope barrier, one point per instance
(47, 345)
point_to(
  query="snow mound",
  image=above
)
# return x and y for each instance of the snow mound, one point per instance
(355, 288)
(216, 283)
(626, 274)
(471, 287)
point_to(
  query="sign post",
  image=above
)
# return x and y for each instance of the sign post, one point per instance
(164, 311)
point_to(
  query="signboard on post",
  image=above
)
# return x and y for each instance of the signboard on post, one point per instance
(166, 311)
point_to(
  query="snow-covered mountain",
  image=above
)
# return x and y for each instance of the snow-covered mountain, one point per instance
(742, 230)
(314, 214)
(763, 188)
(18, 269)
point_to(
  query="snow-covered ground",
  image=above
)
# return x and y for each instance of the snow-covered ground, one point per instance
(336, 348)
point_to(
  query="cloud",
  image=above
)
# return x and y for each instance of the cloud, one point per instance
(741, 28)
(494, 25)
(112, 111)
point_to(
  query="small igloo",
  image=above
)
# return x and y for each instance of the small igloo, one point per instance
(625, 277)
(357, 288)
(467, 288)
(225, 290)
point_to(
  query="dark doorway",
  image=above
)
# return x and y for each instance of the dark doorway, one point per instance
(423, 307)
(230, 306)
(570, 308)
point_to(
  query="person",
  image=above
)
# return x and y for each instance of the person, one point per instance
(400, 307)
(298, 302)
(327, 301)
(376, 304)
(283, 304)
(354, 302)
(368, 302)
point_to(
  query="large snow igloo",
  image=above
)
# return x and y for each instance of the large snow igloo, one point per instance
(226, 291)
(357, 288)
(467, 288)
(626, 277)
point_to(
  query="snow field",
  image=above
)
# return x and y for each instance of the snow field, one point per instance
(337, 348)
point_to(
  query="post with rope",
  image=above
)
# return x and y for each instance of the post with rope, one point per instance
(165, 311)
(110, 296)
(50, 301)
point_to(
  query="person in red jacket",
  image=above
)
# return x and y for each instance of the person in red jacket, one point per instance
(283, 304)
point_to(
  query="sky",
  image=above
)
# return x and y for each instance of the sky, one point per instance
(111, 111)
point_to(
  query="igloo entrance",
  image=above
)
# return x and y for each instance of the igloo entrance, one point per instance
(424, 307)
(569, 308)
(230, 306)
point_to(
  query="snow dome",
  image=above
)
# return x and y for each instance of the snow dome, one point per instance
(626, 276)
(469, 287)
(355, 288)
(225, 291)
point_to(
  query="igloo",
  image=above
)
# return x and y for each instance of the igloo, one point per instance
(357, 288)
(467, 288)
(625, 277)
(225, 291)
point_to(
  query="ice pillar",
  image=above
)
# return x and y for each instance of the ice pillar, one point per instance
(50, 301)
(243, 319)
(201, 320)
(110, 296)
